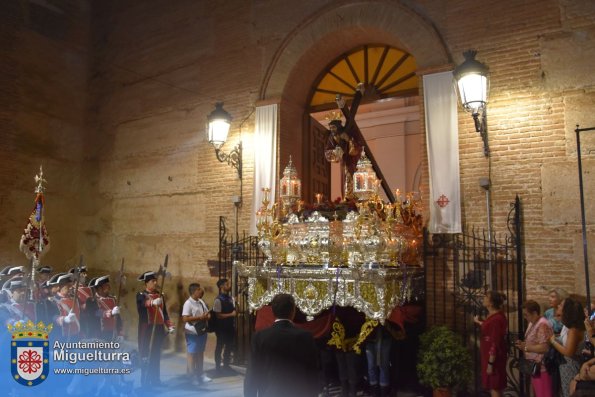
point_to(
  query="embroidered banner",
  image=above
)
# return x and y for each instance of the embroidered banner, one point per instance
(443, 153)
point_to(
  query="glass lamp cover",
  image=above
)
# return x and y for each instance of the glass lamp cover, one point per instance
(219, 122)
(218, 130)
(291, 186)
(364, 178)
(472, 82)
(473, 91)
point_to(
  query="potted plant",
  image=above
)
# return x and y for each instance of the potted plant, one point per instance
(444, 364)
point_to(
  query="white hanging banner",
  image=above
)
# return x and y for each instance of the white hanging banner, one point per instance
(442, 135)
(265, 158)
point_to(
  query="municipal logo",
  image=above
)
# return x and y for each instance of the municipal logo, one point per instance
(29, 352)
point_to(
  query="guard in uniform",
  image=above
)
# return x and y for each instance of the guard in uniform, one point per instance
(11, 271)
(84, 293)
(6, 274)
(18, 289)
(68, 318)
(105, 311)
(17, 308)
(45, 307)
(153, 325)
(53, 284)
(44, 273)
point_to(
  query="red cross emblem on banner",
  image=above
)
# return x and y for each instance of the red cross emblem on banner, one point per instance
(442, 201)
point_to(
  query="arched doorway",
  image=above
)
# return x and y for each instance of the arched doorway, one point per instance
(319, 40)
(388, 117)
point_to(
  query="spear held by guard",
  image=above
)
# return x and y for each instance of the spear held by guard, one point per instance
(154, 324)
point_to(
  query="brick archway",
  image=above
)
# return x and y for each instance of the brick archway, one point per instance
(344, 26)
(330, 31)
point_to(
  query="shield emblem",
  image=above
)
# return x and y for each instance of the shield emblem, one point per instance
(29, 361)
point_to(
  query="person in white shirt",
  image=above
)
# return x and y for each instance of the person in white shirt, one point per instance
(195, 312)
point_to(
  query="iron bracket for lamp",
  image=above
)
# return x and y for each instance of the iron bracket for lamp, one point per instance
(233, 158)
(481, 126)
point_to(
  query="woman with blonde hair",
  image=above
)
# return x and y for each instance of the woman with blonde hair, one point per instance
(555, 296)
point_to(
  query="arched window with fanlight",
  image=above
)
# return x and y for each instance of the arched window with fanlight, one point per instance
(388, 117)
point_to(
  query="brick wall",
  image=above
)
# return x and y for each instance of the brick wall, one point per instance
(43, 99)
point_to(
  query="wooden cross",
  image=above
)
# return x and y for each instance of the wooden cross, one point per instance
(354, 137)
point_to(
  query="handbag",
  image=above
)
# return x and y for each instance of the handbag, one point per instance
(552, 359)
(529, 367)
(204, 326)
(201, 326)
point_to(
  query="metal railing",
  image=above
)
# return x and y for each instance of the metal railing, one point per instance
(459, 269)
(245, 249)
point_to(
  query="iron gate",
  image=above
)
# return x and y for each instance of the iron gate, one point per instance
(246, 250)
(459, 269)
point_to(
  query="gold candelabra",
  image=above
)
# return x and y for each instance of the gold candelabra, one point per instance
(373, 234)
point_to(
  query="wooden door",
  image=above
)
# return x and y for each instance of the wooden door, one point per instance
(317, 171)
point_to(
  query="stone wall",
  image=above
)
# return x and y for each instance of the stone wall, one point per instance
(118, 116)
(43, 106)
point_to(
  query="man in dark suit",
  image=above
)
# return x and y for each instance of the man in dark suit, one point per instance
(283, 357)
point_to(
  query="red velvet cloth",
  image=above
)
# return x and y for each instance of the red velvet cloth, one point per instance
(351, 319)
(409, 313)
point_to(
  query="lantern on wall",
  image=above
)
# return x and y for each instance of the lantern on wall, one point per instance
(472, 84)
(290, 189)
(218, 123)
(365, 182)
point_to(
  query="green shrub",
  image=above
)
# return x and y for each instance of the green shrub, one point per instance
(443, 361)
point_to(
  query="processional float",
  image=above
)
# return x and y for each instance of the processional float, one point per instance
(358, 252)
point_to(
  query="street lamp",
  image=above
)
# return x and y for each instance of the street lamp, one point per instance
(472, 84)
(219, 122)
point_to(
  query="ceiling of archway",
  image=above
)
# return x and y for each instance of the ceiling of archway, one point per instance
(386, 72)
